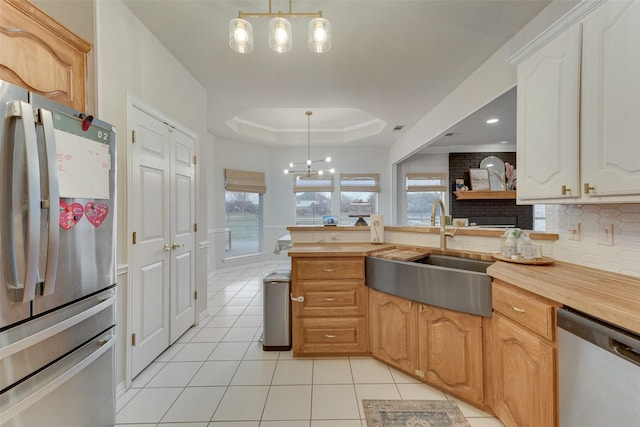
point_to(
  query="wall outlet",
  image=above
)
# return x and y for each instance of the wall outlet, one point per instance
(575, 231)
(605, 234)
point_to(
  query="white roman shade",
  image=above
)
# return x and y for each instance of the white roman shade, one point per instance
(244, 181)
(360, 182)
(426, 181)
(302, 183)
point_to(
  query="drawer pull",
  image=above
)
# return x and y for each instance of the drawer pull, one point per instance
(330, 336)
(330, 270)
(516, 309)
(296, 299)
(329, 299)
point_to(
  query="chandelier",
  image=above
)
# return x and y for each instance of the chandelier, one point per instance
(280, 40)
(309, 171)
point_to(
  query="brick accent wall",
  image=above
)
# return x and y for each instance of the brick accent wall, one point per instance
(459, 165)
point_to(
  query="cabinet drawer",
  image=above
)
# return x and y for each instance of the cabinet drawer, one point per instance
(330, 335)
(329, 268)
(527, 310)
(331, 298)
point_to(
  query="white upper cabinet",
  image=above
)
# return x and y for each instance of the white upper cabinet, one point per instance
(549, 120)
(578, 109)
(611, 101)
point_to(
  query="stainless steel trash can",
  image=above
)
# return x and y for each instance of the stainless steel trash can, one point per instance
(276, 334)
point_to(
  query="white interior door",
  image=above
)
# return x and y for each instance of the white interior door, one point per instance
(182, 234)
(150, 253)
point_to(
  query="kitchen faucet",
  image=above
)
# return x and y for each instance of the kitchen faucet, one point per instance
(443, 233)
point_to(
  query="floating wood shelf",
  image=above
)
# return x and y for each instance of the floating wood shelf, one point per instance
(485, 195)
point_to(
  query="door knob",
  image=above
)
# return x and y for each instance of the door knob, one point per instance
(176, 246)
(166, 247)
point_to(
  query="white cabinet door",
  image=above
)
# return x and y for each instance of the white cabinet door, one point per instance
(548, 120)
(611, 101)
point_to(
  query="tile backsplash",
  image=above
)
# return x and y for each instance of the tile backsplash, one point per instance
(593, 247)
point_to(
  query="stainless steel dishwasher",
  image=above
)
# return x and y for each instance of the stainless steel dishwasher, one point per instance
(599, 373)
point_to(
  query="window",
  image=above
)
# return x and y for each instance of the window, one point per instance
(313, 198)
(358, 196)
(243, 212)
(422, 190)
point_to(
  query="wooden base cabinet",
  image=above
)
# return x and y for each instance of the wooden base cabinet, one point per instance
(450, 351)
(329, 310)
(394, 330)
(441, 347)
(523, 359)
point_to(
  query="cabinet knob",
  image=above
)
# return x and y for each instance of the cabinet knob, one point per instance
(565, 190)
(588, 188)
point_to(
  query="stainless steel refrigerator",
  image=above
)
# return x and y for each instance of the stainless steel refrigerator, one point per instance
(57, 264)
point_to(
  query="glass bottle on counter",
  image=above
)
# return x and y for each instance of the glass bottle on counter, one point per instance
(511, 242)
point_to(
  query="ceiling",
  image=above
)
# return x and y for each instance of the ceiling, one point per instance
(390, 63)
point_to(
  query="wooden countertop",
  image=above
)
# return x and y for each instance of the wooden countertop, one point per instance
(336, 249)
(612, 297)
(463, 231)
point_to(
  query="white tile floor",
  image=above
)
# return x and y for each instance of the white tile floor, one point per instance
(217, 375)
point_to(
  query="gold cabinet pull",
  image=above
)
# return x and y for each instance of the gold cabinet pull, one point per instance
(329, 299)
(516, 309)
(588, 188)
(565, 190)
(329, 270)
(330, 336)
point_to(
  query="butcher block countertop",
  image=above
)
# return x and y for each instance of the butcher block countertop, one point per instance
(612, 297)
(386, 251)
(335, 249)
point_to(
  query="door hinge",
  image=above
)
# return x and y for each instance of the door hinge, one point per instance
(195, 228)
(195, 160)
(133, 136)
(133, 340)
(195, 295)
(134, 237)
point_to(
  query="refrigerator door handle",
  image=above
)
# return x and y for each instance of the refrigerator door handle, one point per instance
(21, 292)
(51, 201)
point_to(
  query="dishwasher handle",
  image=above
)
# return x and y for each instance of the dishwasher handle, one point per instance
(625, 351)
(606, 336)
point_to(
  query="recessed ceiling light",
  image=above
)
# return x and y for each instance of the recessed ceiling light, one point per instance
(491, 121)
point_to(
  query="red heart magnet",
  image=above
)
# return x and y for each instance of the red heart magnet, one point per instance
(70, 214)
(96, 212)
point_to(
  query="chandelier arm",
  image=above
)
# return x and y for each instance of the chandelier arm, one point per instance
(308, 135)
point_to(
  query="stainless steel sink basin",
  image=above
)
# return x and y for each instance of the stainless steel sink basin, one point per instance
(455, 262)
(459, 284)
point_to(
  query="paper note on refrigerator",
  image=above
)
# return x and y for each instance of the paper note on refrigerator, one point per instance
(83, 167)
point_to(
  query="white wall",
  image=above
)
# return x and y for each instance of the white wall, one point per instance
(279, 200)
